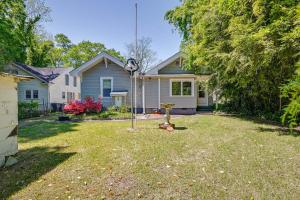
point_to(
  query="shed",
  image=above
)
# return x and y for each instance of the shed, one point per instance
(9, 114)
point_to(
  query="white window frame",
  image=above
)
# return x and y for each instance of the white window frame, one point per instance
(101, 85)
(31, 97)
(181, 87)
(38, 93)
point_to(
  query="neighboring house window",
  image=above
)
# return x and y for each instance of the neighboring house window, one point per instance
(182, 88)
(67, 79)
(78, 95)
(201, 93)
(28, 94)
(75, 81)
(35, 94)
(63, 95)
(107, 84)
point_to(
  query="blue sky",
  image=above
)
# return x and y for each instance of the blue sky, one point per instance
(112, 22)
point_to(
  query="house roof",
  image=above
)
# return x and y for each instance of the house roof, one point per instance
(19, 77)
(46, 74)
(94, 61)
(164, 63)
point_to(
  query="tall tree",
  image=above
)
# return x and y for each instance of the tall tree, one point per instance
(250, 46)
(85, 51)
(12, 22)
(145, 55)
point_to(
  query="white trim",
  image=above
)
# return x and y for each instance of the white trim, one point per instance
(91, 63)
(101, 85)
(114, 94)
(143, 91)
(158, 93)
(181, 87)
(173, 75)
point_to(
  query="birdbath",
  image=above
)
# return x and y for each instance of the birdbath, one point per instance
(167, 125)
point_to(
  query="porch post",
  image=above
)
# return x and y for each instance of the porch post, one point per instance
(158, 93)
(143, 90)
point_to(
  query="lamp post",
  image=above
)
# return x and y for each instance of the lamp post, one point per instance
(131, 66)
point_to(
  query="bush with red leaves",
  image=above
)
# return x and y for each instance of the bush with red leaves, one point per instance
(86, 106)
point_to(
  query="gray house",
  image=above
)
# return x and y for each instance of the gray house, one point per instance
(104, 76)
(51, 87)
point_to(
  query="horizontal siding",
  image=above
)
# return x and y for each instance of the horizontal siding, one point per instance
(34, 84)
(174, 68)
(151, 93)
(58, 86)
(8, 116)
(90, 85)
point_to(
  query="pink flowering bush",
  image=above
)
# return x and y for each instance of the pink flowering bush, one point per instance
(86, 106)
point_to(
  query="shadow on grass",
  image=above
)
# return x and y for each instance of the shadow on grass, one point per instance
(33, 163)
(281, 131)
(180, 128)
(41, 129)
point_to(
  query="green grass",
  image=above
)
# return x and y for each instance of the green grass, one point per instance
(206, 157)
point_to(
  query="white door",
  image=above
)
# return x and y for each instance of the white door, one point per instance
(202, 97)
(118, 101)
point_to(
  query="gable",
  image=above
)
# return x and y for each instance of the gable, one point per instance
(106, 58)
(174, 68)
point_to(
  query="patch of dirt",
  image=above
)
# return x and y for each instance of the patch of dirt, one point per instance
(119, 185)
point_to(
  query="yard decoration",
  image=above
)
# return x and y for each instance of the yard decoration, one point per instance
(132, 66)
(167, 125)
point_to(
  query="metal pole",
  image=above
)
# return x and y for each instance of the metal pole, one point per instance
(135, 73)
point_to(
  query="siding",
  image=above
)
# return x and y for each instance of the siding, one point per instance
(174, 68)
(57, 86)
(151, 93)
(8, 116)
(90, 85)
(34, 84)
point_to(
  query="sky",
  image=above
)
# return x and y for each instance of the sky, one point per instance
(112, 22)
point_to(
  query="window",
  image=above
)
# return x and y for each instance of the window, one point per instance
(176, 88)
(28, 94)
(67, 79)
(78, 96)
(106, 86)
(201, 92)
(75, 81)
(187, 88)
(63, 95)
(182, 88)
(35, 94)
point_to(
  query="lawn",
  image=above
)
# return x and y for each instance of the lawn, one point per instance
(206, 157)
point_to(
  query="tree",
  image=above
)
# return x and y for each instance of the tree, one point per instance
(85, 51)
(62, 41)
(291, 91)
(145, 55)
(12, 19)
(251, 47)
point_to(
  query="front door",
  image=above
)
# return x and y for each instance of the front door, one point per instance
(118, 101)
(202, 96)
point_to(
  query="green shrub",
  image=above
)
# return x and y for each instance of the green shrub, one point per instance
(291, 91)
(123, 109)
(28, 109)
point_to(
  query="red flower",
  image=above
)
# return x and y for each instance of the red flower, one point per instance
(87, 106)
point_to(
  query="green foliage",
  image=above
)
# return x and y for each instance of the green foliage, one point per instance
(12, 22)
(291, 91)
(85, 51)
(251, 47)
(28, 109)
